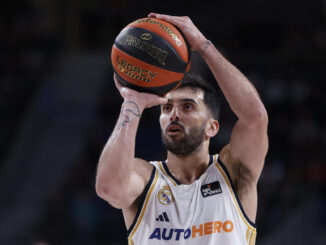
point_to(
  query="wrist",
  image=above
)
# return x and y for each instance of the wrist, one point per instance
(130, 114)
(131, 103)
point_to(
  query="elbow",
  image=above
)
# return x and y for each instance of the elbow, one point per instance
(103, 191)
(262, 116)
(114, 196)
(259, 118)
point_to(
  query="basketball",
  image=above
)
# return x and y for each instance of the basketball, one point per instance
(150, 55)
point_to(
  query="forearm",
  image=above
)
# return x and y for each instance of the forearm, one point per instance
(117, 159)
(239, 92)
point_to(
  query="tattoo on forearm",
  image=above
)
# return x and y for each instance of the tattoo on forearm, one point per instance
(138, 114)
(201, 51)
(134, 111)
(126, 120)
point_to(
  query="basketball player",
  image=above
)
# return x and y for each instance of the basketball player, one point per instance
(192, 197)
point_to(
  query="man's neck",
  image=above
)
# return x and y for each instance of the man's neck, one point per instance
(188, 168)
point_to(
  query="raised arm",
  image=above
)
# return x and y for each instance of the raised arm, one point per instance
(249, 142)
(121, 177)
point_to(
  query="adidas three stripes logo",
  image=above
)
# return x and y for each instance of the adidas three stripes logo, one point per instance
(163, 217)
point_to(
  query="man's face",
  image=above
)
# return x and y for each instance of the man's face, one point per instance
(184, 120)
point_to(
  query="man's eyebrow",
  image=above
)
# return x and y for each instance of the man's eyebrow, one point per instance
(183, 100)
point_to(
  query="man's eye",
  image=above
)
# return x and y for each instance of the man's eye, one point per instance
(166, 107)
(188, 106)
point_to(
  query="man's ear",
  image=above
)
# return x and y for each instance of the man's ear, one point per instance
(212, 128)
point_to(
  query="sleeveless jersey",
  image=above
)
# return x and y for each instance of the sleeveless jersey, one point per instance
(206, 212)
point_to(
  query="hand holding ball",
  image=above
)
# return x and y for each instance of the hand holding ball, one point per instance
(150, 55)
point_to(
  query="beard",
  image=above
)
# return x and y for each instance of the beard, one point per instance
(187, 144)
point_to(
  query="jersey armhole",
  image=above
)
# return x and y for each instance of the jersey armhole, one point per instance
(229, 181)
(142, 200)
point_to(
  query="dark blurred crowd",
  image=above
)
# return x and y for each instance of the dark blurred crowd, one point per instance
(279, 45)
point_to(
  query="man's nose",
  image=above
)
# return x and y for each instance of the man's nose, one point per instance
(174, 115)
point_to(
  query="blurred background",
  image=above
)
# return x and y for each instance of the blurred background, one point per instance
(59, 105)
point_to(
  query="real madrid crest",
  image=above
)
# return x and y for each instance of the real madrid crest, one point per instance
(165, 195)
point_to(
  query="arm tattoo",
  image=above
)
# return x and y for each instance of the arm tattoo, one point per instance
(125, 121)
(134, 111)
(201, 51)
(137, 114)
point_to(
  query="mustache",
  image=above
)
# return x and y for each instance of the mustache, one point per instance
(174, 123)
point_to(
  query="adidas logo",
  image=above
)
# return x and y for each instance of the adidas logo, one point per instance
(163, 217)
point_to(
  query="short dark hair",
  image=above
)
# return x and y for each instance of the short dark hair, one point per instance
(211, 96)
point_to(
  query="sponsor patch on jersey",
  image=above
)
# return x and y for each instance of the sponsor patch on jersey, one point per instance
(165, 195)
(211, 189)
(196, 231)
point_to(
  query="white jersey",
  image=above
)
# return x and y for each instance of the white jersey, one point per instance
(207, 212)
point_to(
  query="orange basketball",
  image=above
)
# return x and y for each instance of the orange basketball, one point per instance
(150, 55)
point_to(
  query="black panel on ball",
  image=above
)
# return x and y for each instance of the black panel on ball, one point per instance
(153, 90)
(155, 51)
